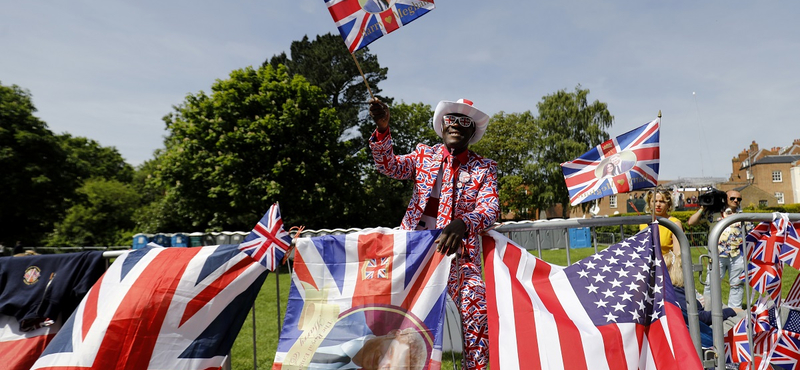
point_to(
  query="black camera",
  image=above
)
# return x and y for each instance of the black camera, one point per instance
(713, 200)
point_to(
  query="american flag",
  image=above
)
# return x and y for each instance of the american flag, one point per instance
(613, 310)
(330, 289)
(362, 22)
(268, 242)
(160, 308)
(634, 156)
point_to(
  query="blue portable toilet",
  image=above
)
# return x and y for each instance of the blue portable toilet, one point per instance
(140, 240)
(580, 237)
(179, 240)
(163, 240)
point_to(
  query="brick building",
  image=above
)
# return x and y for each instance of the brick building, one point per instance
(775, 171)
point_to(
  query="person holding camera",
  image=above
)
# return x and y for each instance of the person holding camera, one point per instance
(730, 247)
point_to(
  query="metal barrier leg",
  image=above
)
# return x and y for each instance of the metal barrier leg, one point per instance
(449, 334)
(255, 357)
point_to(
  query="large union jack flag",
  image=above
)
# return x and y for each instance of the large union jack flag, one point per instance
(628, 162)
(361, 22)
(268, 242)
(336, 309)
(160, 308)
(19, 349)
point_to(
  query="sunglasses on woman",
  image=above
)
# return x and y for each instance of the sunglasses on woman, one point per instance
(451, 120)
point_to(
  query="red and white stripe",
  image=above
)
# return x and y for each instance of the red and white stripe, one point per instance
(536, 321)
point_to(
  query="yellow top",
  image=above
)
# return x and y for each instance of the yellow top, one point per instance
(665, 235)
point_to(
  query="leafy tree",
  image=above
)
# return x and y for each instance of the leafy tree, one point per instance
(260, 137)
(102, 217)
(87, 159)
(568, 127)
(511, 140)
(155, 213)
(32, 163)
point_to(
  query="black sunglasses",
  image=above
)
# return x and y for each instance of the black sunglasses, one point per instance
(736, 199)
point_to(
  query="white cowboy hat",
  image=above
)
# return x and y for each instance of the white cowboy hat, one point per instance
(462, 106)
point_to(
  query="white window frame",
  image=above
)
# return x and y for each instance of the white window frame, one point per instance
(777, 176)
(612, 201)
(780, 197)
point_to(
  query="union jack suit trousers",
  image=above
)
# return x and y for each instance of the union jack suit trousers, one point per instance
(476, 203)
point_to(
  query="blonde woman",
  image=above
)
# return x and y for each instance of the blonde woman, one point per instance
(660, 202)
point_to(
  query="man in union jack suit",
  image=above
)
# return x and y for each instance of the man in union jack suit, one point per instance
(455, 190)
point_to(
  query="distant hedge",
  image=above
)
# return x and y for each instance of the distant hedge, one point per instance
(703, 227)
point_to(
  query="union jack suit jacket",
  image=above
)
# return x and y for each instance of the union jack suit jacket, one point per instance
(476, 198)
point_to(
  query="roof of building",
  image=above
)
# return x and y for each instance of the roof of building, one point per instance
(695, 182)
(778, 159)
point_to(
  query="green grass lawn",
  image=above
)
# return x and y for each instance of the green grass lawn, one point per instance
(269, 314)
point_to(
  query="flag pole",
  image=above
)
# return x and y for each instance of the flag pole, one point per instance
(651, 205)
(655, 191)
(362, 76)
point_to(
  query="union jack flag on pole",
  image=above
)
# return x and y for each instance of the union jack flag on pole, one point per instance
(613, 310)
(628, 162)
(361, 22)
(372, 299)
(268, 242)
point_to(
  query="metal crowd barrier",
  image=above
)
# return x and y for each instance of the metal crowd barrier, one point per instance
(715, 280)
(686, 257)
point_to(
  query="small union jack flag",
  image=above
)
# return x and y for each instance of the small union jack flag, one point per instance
(786, 351)
(376, 268)
(790, 249)
(765, 278)
(767, 238)
(361, 22)
(766, 253)
(268, 242)
(628, 162)
(737, 346)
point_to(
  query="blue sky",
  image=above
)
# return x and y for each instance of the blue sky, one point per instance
(723, 73)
